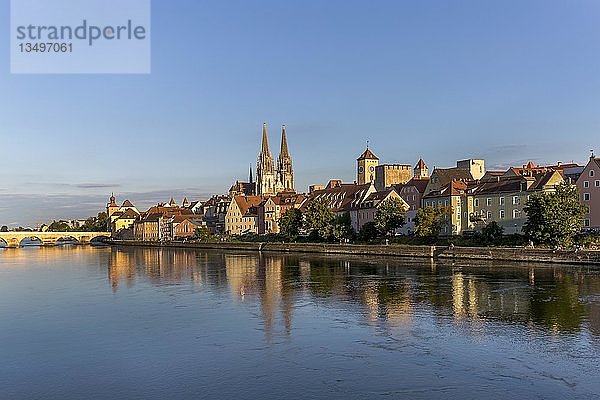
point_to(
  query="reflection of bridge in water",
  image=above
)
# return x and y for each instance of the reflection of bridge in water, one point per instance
(14, 239)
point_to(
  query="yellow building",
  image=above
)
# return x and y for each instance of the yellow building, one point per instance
(388, 175)
(366, 164)
(242, 215)
(453, 196)
(121, 219)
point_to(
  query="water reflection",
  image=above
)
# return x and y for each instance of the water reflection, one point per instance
(384, 292)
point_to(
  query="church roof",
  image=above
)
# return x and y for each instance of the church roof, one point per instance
(367, 155)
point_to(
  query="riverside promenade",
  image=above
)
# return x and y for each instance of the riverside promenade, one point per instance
(580, 257)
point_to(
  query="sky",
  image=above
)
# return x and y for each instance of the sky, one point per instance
(507, 81)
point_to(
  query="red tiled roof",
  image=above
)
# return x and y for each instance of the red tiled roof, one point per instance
(246, 203)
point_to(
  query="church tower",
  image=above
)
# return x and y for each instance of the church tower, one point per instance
(366, 167)
(285, 170)
(265, 168)
(421, 171)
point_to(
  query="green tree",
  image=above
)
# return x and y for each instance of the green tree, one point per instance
(203, 233)
(319, 219)
(4, 228)
(430, 220)
(290, 224)
(58, 226)
(368, 232)
(492, 233)
(554, 218)
(390, 216)
(101, 222)
(342, 227)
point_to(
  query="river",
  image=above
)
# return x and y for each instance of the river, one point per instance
(142, 323)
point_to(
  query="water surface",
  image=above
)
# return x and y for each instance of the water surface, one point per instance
(139, 323)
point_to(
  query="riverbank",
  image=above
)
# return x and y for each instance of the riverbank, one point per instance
(430, 252)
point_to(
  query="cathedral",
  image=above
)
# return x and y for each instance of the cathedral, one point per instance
(271, 181)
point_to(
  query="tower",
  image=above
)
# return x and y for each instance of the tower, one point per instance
(285, 169)
(265, 168)
(421, 171)
(111, 206)
(366, 167)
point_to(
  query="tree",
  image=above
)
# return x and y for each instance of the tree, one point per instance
(390, 216)
(290, 224)
(58, 226)
(429, 221)
(554, 218)
(202, 233)
(319, 219)
(368, 232)
(342, 227)
(4, 228)
(492, 233)
(101, 222)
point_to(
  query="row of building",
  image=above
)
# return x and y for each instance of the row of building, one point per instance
(474, 195)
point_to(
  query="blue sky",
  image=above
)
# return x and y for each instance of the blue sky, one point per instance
(507, 81)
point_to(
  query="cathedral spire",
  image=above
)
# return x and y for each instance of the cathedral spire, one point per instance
(265, 141)
(284, 146)
(251, 179)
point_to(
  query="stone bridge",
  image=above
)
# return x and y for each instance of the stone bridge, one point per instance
(14, 239)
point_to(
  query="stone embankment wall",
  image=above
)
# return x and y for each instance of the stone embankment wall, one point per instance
(457, 253)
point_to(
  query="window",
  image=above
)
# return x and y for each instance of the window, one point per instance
(489, 215)
(501, 214)
(516, 214)
(597, 183)
(501, 201)
(591, 172)
(586, 197)
(586, 184)
(488, 201)
(516, 200)
(476, 202)
(586, 223)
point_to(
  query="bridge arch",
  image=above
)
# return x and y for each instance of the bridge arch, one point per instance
(32, 240)
(99, 239)
(66, 239)
(3, 243)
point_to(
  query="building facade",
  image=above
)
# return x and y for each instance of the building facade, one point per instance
(388, 175)
(589, 188)
(242, 215)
